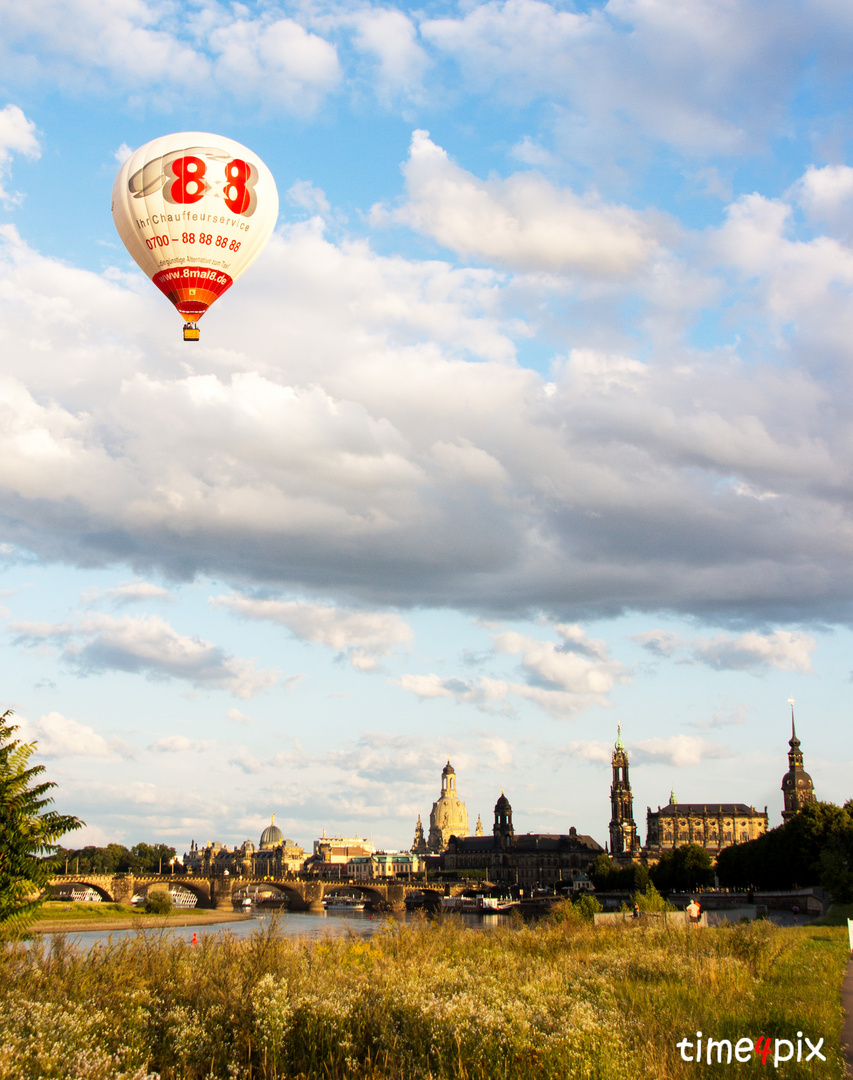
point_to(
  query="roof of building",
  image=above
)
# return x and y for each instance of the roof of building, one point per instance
(272, 835)
(710, 809)
(503, 803)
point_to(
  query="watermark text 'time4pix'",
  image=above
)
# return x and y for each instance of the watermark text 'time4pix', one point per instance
(768, 1051)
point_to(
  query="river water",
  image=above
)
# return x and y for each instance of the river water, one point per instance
(290, 923)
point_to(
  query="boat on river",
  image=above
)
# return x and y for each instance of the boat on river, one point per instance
(344, 903)
(475, 905)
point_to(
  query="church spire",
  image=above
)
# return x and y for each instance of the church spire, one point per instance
(797, 786)
(623, 828)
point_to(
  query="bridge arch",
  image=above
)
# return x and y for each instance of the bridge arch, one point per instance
(369, 893)
(200, 890)
(60, 887)
(285, 889)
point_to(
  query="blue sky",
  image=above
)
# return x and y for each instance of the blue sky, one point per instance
(532, 419)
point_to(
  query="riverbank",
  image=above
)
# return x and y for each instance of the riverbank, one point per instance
(59, 918)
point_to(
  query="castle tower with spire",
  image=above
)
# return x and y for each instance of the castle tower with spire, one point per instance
(797, 786)
(623, 828)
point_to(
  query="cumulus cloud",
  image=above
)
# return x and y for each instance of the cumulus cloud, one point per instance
(147, 645)
(239, 717)
(786, 650)
(390, 37)
(61, 736)
(17, 136)
(616, 67)
(680, 751)
(275, 57)
(497, 694)
(576, 665)
(399, 455)
(826, 197)
(364, 636)
(304, 194)
(523, 222)
(176, 744)
(140, 47)
(128, 592)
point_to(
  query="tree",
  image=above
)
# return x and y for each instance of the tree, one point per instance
(686, 867)
(650, 901)
(815, 847)
(607, 876)
(153, 858)
(27, 830)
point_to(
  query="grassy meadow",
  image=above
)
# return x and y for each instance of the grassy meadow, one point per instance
(425, 1000)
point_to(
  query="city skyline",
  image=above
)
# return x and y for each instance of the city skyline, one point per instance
(531, 420)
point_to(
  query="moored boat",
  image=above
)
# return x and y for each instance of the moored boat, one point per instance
(344, 903)
(475, 905)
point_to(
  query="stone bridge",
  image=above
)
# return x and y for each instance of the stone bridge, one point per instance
(218, 892)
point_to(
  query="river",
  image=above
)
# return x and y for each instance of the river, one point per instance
(290, 923)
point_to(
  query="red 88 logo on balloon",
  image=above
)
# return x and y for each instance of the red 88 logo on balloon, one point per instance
(240, 180)
(187, 180)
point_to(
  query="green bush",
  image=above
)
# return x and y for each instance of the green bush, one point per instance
(158, 903)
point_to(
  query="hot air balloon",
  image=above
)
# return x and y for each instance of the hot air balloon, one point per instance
(194, 210)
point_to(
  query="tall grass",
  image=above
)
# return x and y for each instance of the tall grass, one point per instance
(429, 1000)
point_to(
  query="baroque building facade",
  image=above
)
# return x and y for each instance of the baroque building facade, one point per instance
(526, 859)
(713, 826)
(274, 856)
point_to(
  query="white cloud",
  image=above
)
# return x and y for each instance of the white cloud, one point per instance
(786, 650)
(588, 750)
(128, 592)
(826, 196)
(303, 193)
(175, 744)
(358, 425)
(17, 136)
(563, 678)
(247, 763)
(576, 665)
(277, 58)
(148, 645)
(364, 636)
(523, 222)
(61, 736)
(681, 751)
(701, 76)
(139, 46)
(391, 37)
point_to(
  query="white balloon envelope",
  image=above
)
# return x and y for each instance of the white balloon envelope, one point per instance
(194, 210)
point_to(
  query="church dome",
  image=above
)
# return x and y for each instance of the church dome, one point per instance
(796, 778)
(448, 769)
(272, 835)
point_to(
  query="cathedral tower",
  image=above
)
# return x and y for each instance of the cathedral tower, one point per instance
(502, 829)
(448, 816)
(797, 786)
(623, 828)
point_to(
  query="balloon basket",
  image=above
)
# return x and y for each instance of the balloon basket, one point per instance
(190, 332)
